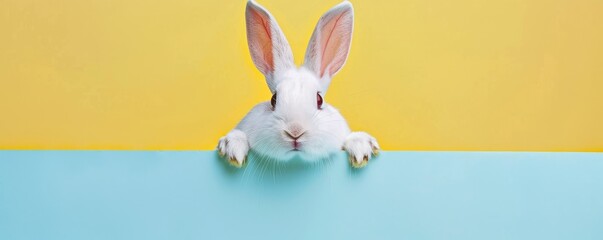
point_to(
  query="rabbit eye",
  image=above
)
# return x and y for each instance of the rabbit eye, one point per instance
(318, 101)
(273, 100)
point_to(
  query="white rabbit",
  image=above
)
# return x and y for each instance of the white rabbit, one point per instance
(297, 122)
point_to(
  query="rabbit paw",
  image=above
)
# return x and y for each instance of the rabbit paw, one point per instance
(234, 147)
(360, 147)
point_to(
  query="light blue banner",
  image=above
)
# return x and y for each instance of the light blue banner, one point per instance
(400, 195)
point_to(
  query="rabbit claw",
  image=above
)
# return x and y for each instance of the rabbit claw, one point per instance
(234, 147)
(360, 147)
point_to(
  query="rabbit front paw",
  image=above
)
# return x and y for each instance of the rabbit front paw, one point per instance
(234, 147)
(360, 147)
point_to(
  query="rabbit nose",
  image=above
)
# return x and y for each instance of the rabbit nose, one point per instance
(294, 131)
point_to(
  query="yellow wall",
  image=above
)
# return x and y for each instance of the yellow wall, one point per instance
(429, 75)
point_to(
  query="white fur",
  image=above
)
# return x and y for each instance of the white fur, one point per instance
(234, 146)
(323, 131)
(360, 147)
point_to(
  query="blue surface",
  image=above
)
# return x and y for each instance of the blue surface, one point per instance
(400, 195)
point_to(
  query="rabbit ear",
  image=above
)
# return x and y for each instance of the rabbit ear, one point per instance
(330, 43)
(269, 48)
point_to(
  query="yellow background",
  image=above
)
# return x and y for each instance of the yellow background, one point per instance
(422, 75)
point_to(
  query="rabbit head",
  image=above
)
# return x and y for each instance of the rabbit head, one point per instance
(297, 120)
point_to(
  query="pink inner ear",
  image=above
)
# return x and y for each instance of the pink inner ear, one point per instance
(335, 36)
(260, 39)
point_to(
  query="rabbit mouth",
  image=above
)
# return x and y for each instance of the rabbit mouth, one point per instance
(296, 145)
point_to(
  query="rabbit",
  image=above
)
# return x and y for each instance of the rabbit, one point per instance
(297, 122)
